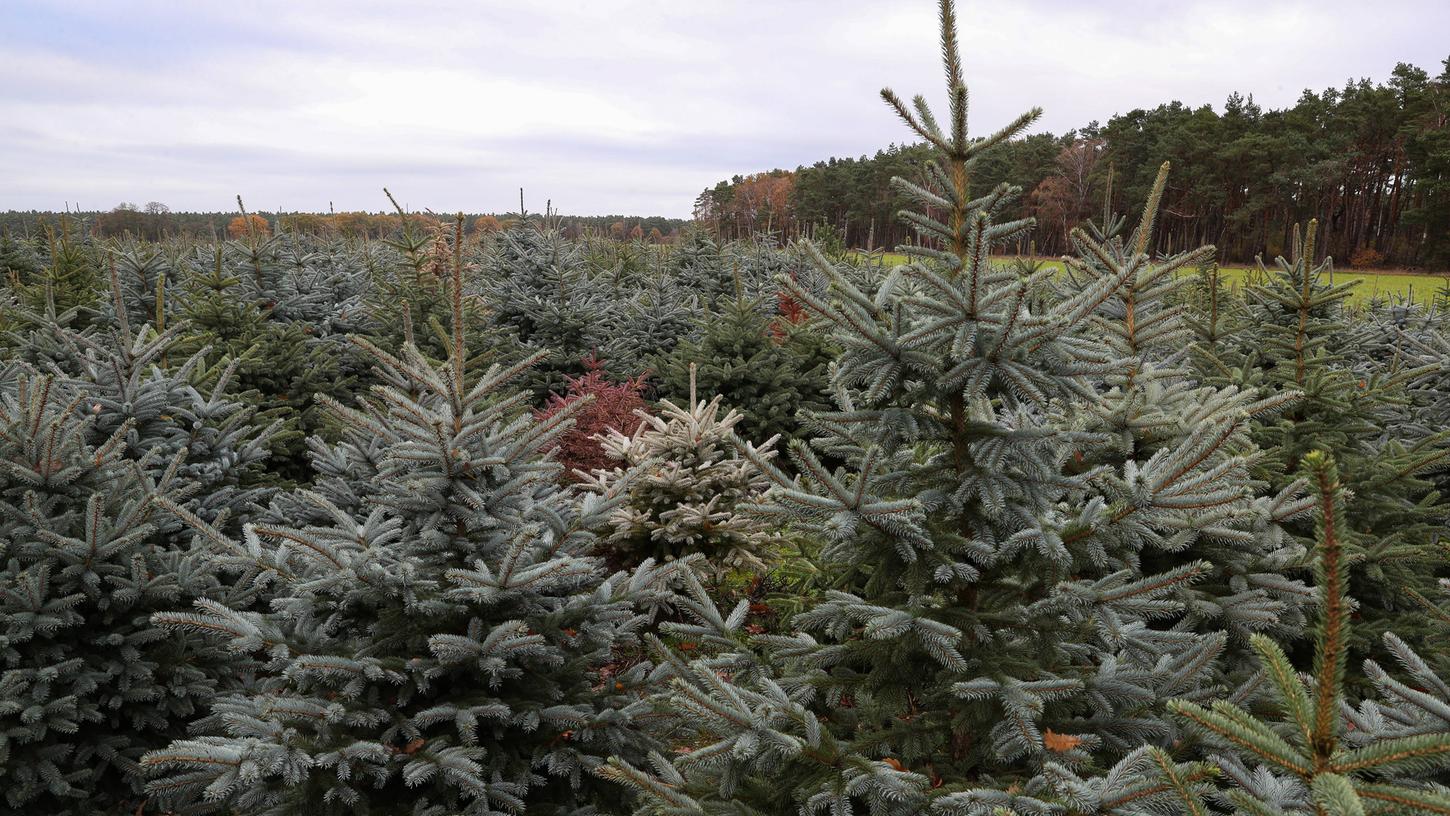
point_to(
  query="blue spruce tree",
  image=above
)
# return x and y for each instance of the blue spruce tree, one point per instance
(87, 682)
(441, 639)
(1012, 598)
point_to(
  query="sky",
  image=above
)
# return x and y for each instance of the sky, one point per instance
(602, 107)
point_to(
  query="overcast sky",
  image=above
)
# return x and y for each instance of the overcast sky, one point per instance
(609, 106)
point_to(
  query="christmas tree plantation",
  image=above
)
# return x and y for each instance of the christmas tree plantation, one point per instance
(495, 517)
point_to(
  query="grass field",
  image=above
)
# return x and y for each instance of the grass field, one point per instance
(1383, 285)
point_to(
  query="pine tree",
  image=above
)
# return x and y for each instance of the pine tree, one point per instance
(1313, 762)
(87, 682)
(686, 489)
(990, 642)
(441, 639)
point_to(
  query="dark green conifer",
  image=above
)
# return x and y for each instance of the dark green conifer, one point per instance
(1298, 339)
(1321, 756)
(771, 371)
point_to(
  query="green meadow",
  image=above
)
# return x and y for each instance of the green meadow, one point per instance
(1373, 285)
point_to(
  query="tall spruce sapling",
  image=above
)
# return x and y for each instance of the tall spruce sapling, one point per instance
(650, 323)
(19, 263)
(281, 361)
(18, 259)
(70, 273)
(168, 401)
(442, 640)
(257, 253)
(1151, 400)
(408, 298)
(1323, 757)
(1432, 664)
(624, 266)
(1217, 313)
(992, 643)
(753, 267)
(87, 682)
(537, 283)
(1411, 338)
(1300, 339)
(697, 265)
(147, 277)
(320, 285)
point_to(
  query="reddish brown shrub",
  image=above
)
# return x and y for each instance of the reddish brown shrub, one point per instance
(614, 407)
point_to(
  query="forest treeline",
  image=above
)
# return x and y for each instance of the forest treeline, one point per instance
(1370, 161)
(156, 221)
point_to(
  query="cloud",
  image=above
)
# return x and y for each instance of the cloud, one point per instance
(627, 106)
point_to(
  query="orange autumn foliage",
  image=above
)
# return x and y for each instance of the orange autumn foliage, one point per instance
(244, 226)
